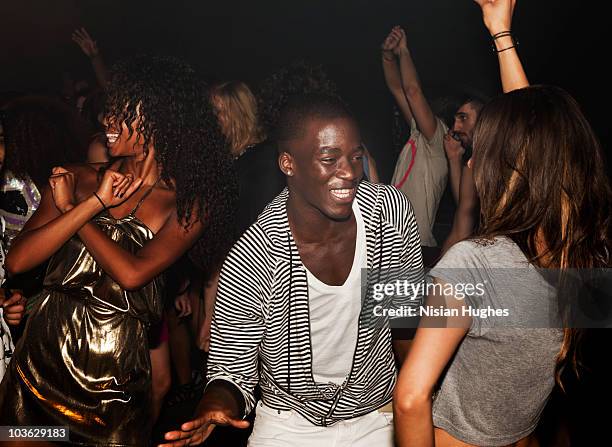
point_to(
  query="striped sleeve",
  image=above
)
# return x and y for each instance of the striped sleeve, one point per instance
(238, 322)
(401, 214)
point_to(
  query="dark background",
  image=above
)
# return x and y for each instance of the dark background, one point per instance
(561, 42)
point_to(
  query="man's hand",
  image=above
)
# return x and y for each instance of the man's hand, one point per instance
(210, 414)
(402, 45)
(13, 307)
(82, 38)
(391, 42)
(454, 149)
(497, 14)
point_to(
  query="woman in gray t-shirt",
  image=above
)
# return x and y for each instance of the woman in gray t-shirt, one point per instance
(493, 332)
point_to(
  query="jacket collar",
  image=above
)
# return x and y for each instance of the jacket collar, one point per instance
(275, 223)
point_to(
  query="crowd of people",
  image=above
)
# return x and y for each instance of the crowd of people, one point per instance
(153, 215)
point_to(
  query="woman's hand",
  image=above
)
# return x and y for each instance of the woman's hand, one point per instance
(115, 188)
(497, 14)
(63, 188)
(453, 147)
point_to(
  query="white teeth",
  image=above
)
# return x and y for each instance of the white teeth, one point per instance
(112, 137)
(342, 193)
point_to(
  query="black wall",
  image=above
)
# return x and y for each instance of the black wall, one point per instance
(562, 42)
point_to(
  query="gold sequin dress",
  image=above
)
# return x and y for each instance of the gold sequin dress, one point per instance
(83, 360)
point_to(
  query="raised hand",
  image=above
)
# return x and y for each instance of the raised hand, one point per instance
(196, 431)
(82, 38)
(63, 188)
(497, 14)
(389, 46)
(115, 188)
(403, 42)
(13, 307)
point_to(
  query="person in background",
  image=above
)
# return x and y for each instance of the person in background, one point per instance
(39, 133)
(81, 37)
(256, 161)
(421, 169)
(544, 205)
(93, 112)
(92, 105)
(458, 146)
(12, 303)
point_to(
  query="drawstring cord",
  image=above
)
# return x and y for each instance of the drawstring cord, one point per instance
(289, 314)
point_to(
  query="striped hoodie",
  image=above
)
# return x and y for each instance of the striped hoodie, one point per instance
(261, 328)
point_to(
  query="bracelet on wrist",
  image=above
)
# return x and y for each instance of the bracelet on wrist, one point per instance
(505, 49)
(501, 34)
(100, 200)
(515, 43)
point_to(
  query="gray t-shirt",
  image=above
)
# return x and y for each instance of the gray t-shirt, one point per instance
(501, 376)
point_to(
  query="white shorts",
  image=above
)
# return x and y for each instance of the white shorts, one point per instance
(289, 429)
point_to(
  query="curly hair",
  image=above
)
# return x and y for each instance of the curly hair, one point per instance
(298, 78)
(41, 133)
(167, 102)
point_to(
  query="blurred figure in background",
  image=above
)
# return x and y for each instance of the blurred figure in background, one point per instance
(39, 133)
(256, 161)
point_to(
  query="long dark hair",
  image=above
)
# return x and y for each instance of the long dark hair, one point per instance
(540, 173)
(169, 105)
(41, 133)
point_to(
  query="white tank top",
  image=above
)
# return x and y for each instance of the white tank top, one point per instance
(334, 316)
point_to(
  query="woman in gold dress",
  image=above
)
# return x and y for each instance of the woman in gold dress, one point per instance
(83, 360)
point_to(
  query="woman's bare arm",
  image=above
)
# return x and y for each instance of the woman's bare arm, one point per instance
(134, 270)
(497, 17)
(47, 230)
(434, 344)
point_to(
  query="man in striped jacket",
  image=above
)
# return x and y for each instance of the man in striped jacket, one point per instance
(295, 313)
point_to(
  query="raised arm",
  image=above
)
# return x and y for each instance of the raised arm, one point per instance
(497, 17)
(89, 46)
(423, 115)
(392, 73)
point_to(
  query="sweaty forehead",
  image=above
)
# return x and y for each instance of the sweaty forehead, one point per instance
(330, 132)
(308, 134)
